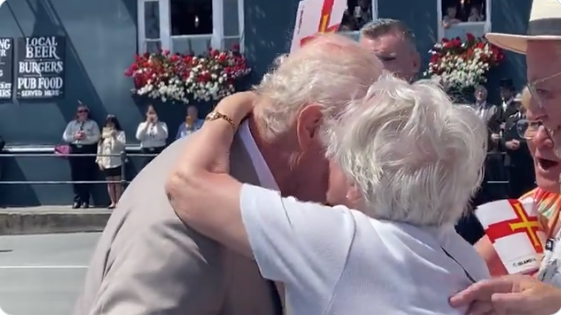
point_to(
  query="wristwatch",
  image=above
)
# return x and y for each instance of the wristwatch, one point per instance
(215, 115)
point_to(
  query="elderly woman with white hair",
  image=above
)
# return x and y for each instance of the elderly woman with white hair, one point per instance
(404, 164)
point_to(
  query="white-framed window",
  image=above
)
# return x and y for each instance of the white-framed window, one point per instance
(358, 14)
(458, 17)
(183, 26)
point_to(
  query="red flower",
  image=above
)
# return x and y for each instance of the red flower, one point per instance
(199, 77)
(449, 53)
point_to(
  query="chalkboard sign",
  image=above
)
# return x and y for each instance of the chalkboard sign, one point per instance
(6, 67)
(40, 67)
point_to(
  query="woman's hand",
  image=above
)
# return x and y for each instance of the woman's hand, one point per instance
(205, 158)
(207, 151)
(237, 106)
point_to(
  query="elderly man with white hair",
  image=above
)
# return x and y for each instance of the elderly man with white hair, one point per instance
(148, 262)
(404, 164)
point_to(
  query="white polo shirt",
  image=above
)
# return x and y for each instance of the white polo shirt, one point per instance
(334, 260)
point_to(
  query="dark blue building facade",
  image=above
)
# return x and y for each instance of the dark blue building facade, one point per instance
(101, 38)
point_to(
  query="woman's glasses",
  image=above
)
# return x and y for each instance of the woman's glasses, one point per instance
(528, 129)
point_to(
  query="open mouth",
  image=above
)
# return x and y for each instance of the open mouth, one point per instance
(546, 164)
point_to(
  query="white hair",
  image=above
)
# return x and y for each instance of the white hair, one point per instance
(414, 156)
(328, 71)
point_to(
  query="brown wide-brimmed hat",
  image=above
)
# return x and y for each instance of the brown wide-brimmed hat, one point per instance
(544, 24)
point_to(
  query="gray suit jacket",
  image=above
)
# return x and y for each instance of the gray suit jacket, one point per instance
(147, 262)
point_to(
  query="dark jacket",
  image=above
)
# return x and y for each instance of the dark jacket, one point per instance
(511, 109)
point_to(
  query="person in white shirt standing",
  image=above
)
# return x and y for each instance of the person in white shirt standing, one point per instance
(405, 157)
(82, 135)
(152, 135)
(111, 144)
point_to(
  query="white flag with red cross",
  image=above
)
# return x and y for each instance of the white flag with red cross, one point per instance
(514, 229)
(315, 17)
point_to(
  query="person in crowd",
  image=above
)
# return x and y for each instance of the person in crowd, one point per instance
(363, 12)
(109, 149)
(82, 134)
(198, 276)
(468, 226)
(489, 113)
(518, 159)
(348, 23)
(404, 225)
(509, 105)
(492, 187)
(451, 18)
(394, 44)
(152, 134)
(522, 294)
(475, 15)
(192, 123)
(547, 169)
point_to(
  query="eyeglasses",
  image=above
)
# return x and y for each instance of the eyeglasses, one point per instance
(528, 129)
(81, 111)
(537, 95)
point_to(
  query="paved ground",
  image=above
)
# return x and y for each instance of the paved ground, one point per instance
(43, 274)
(52, 219)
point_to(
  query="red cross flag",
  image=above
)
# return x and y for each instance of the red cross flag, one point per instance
(315, 17)
(514, 229)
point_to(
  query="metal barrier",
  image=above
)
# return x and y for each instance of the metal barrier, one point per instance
(123, 156)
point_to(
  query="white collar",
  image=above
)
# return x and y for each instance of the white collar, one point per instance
(261, 168)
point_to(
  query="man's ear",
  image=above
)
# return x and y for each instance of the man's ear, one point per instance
(307, 125)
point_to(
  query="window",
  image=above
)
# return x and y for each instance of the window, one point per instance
(184, 26)
(358, 14)
(191, 17)
(458, 17)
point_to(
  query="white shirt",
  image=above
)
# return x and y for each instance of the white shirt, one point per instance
(89, 127)
(507, 103)
(261, 168)
(109, 150)
(152, 135)
(339, 261)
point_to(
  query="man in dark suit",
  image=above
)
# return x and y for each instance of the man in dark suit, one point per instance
(518, 161)
(509, 104)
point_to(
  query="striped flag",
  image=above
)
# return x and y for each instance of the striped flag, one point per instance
(315, 17)
(514, 229)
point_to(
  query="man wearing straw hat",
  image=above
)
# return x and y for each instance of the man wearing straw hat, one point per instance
(517, 294)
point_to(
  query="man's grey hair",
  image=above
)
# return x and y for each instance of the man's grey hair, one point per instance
(381, 27)
(414, 156)
(328, 71)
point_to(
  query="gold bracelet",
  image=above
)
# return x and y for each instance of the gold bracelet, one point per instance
(215, 115)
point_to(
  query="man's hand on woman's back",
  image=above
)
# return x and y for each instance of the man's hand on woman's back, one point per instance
(509, 295)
